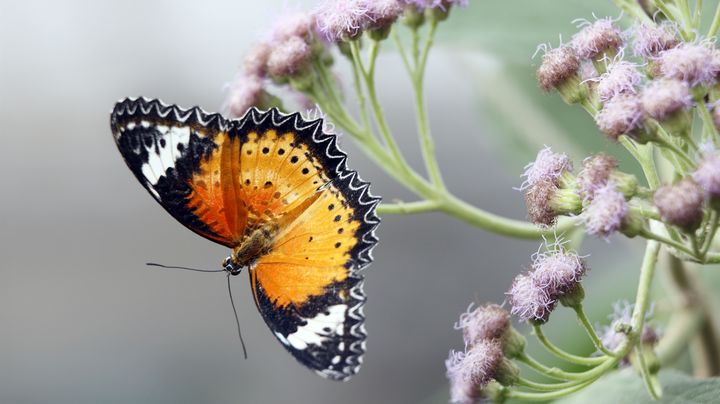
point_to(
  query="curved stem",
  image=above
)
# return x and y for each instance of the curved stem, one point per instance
(407, 208)
(669, 242)
(547, 386)
(715, 23)
(528, 396)
(554, 373)
(591, 331)
(580, 360)
(651, 381)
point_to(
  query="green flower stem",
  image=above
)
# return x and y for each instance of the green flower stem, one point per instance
(666, 142)
(715, 23)
(369, 77)
(633, 8)
(547, 386)
(648, 212)
(688, 20)
(642, 299)
(426, 142)
(709, 129)
(407, 208)
(580, 360)
(669, 242)
(527, 396)
(651, 381)
(591, 330)
(644, 155)
(712, 230)
(362, 102)
(554, 373)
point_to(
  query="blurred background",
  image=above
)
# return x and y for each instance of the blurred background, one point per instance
(83, 320)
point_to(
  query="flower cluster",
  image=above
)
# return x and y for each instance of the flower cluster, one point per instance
(615, 333)
(490, 343)
(554, 277)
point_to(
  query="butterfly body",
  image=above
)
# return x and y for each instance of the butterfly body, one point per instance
(276, 190)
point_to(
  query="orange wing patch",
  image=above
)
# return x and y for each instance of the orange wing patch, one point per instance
(311, 253)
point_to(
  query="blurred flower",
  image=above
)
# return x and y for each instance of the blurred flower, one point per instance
(606, 212)
(663, 98)
(612, 338)
(538, 201)
(621, 77)
(681, 204)
(597, 38)
(651, 39)
(621, 115)
(529, 301)
(707, 174)
(692, 63)
(244, 92)
(288, 57)
(299, 24)
(595, 173)
(548, 166)
(442, 4)
(382, 13)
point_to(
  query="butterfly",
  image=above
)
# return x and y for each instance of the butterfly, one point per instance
(276, 190)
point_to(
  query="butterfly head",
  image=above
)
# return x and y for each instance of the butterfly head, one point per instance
(231, 266)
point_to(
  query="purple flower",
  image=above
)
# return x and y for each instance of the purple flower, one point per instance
(288, 57)
(597, 38)
(558, 66)
(298, 24)
(707, 174)
(663, 98)
(692, 63)
(622, 77)
(548, 166)
(529, 301)
(441, 4)
(651, 39)
(621, 115)
(469, 372)
(255, 62)
(606, 212)
(595, 174)
(681, 204)
(622, 315)
(382, 13)
(339, 20)
(557, 272)
(483, 323)
(244, 92)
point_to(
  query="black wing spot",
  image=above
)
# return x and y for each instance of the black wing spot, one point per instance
(294, 159)
(265, 150)
(180, 147)
(338, 244)
(162, 142)
(268, 184)
(281, 151)
(249, 152)
(337, 218)
(331, 206)
(341, 230)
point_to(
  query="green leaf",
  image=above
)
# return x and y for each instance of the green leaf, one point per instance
(626, 386)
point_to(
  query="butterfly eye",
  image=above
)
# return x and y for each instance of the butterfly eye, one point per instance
(227, 264)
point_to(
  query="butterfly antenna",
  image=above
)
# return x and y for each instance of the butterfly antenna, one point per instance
(237, 321)
(152, 264)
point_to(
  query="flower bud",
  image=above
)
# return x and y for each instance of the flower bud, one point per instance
(529, 302)
(557, 272)
(622, 77)
(548, 166)
(341, 20)
(606, 213)
(289, 58)
(545, 201)
(245, 92)
(574, 297)
(681, 204)
(381, 14)
(559, 71)
(485, 322)
(622, 115)
(691, 63)
(255, 62)
(651, 39)
(597, 38)
(413, 17)
(707, 175)
(667, 101)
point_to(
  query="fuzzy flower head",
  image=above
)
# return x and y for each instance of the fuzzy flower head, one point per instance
(299, 24)
(595, 174)
(681, 204)
(244, 92)
(597, 38)
(622, 77)
(288, 57)
(558, 66)
(340, 20)
(476, 367)
(557, 272)
(707, 174)
(382, 13)
(548, 166)
(605, 214)
(255, 61)
(529, 301)
(538, 201)
(483, 323)
(692, 63)
(663, 98)
(651, 39)
(621, 115)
